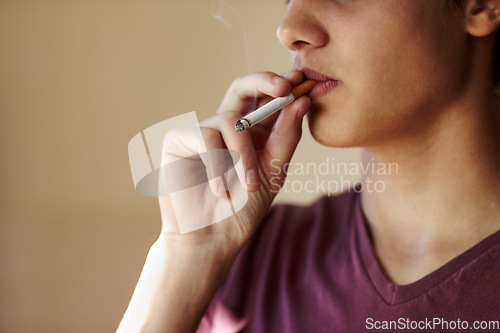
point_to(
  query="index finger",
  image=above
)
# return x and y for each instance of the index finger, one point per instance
(245, 91)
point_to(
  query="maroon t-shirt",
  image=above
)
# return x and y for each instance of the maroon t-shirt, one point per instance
(312, 269)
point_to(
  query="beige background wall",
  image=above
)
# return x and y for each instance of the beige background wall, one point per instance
(78, 79)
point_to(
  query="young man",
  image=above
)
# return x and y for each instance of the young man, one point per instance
(411, 81)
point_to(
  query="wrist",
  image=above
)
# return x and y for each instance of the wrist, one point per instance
(214, 254)
(188, 277)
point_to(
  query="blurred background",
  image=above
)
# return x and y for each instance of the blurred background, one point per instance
(78, 79)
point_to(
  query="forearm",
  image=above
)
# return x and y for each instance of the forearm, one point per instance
(175, 287)
(183, 271)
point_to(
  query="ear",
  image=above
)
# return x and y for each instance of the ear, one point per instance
(483, 17)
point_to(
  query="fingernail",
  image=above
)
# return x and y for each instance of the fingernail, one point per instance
(279, 80)
(253, 177)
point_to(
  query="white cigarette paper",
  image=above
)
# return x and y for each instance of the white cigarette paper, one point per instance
(273, 106)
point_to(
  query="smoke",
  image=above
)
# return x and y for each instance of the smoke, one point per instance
(231, 18)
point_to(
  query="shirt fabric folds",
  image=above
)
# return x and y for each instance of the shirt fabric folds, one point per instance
(313, 269)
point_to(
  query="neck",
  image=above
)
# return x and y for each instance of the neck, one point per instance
(445, 196)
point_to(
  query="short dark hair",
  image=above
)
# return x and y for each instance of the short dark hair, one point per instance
(496, 61)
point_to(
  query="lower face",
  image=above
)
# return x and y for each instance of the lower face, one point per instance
(399, 64)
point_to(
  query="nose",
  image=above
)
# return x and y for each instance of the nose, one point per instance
(300, 28)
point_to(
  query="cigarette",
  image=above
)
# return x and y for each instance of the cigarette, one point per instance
(273, 106)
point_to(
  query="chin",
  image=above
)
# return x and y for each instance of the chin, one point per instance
(326, 130)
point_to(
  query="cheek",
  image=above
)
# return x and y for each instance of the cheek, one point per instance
(403, 66)
(396, 75)
(337, 124)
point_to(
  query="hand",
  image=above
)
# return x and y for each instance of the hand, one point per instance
(198, 154)
(170, 295)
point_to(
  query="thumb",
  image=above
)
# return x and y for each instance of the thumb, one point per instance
(282, 142)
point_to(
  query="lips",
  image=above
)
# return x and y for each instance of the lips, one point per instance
(324, 86)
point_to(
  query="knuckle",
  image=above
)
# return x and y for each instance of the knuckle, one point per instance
(247, 154)
(231, 116)
(173, 141)
(210, 135)
(267, 75)
(237, 82)
(228, 119)
(171, 136)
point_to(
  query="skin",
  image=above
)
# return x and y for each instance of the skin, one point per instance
(397, 74)
(415, 90)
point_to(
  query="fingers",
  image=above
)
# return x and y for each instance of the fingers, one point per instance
(216, 161)
(283, 140)
(195, 151)
(294, 76)
(242, 93)
(261, 131)
(192, 151)
(242, 143)
(245, 91)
